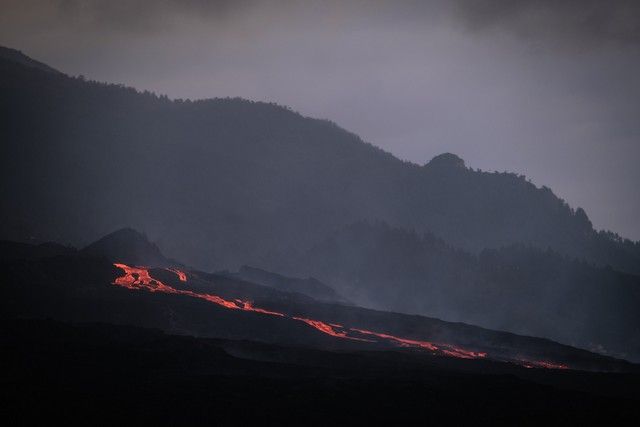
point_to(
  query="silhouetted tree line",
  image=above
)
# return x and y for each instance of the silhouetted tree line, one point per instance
(224, 182)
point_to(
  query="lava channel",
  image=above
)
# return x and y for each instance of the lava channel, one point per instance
(544, 364)
(138, 278)
(182, 276)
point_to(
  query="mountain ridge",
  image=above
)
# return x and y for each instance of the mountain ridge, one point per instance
(225, 182)
(222, 183)
(20, 58)
(129, 246)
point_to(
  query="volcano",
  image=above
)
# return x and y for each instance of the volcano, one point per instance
(127, 245)
(218, 329)
(131, 281)
(222, 183)
(291, 274)
(222, 326)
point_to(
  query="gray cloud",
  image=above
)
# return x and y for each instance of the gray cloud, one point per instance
(556, 22)
(579, 22)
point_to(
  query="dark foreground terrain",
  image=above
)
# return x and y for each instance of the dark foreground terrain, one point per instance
(116, 333)
(103, 374)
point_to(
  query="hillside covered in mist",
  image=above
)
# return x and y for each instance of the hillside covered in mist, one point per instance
(515, 288)
(224, 182)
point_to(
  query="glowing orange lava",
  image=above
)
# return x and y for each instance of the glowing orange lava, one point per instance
(138, 278)
(181, 274)
(541, 364)
(329, 329)
(248, 306)
(442, 349)
(402, 342)
(463, 354)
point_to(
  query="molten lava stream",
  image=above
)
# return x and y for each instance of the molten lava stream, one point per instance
(463, 354)
(544, 364)
(139, 278)
(329, 329)
(402, 342)
(442, 349)
(181, 274)
(248, 306)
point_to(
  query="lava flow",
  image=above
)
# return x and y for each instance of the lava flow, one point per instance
(402, 342)
(329, 329)
(181, 274)
(139, 278)
(541, 364)
(445, 349)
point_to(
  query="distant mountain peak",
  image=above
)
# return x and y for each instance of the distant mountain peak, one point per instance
(129, 246)
(22, 59)
(446, 160)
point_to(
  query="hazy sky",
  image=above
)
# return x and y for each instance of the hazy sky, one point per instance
(547, 88)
